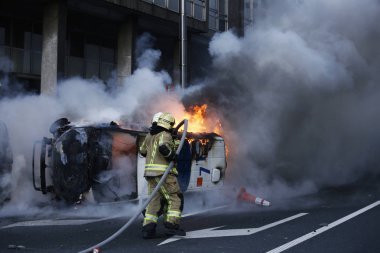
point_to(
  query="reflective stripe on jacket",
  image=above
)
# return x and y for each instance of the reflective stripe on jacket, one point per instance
(156, 163)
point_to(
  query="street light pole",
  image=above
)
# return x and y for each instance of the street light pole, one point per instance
(183, 47)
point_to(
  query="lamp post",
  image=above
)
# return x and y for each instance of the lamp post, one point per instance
(183, 46)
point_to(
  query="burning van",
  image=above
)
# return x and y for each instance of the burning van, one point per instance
(102, 162)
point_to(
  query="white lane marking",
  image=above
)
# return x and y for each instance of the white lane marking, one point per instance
(57, 222)
(203, 211)
(68, 222)
(48, 223)
(211, 232)
(321, 230)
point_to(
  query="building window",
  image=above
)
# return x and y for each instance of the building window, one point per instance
(213, 4)
(194, 8)
(223, 15)
(189, 8)
(76, 44)
(36, 49)
(161, 3)
(199, 9)
(5, 31)
(218, 15)
(248, 11)
(173, 5)
(91, 56)
(21, 42)
(107, 62)
(91, 47)
(250, 8)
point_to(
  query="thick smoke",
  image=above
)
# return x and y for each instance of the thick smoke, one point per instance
(83, 102)
(299, 97)
(301, 93)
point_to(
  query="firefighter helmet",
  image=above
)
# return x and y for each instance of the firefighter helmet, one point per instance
(166, 120)
(155, 117)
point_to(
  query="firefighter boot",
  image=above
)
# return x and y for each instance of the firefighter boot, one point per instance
(173, 229)
(149, 231)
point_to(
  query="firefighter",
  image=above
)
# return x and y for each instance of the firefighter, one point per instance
(159, 149)
(6, 161)
(153, 129)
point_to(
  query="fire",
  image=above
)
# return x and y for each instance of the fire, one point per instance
(200, 122)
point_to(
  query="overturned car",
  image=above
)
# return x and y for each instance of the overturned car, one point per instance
(102, 163)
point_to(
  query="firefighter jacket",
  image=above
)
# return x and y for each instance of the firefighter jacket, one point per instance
(159, 150)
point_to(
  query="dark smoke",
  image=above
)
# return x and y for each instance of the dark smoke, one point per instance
(301, 93)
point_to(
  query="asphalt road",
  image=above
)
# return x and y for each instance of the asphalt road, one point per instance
(335, 220)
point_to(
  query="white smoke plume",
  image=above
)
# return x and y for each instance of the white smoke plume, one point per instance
(147, 56)
(301, 94)
(28, 117)
(299, 97)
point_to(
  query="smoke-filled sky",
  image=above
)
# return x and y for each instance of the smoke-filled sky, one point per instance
(301, 92)
(298, 96)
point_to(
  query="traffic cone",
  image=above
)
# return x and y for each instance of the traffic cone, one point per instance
(247, 197)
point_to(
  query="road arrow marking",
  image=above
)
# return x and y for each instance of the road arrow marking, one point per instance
(211, 232)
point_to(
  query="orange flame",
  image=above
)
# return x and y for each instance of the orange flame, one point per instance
(200, 122)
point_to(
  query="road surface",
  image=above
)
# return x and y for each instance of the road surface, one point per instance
(331, 221)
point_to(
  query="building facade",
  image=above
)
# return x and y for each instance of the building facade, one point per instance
(43, 41)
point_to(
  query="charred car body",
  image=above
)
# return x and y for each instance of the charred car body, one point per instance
(102, 162)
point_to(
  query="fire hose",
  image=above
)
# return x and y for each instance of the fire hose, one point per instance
(145, 204)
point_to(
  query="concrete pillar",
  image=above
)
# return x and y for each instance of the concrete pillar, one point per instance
(53, 46)
(125, 48)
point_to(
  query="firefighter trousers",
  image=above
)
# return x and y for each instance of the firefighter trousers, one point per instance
(170, 192)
